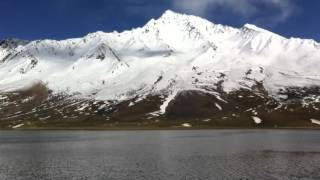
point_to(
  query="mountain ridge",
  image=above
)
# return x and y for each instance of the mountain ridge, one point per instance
(163, 62)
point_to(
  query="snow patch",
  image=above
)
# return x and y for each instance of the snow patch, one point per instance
(154, 114)
(315, 121)
(218, 106)
(186, 125)
(83, 107)
(166, 102)
(257, 120)
(17, 126)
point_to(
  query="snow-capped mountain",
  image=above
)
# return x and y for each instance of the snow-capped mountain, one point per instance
(168, 58)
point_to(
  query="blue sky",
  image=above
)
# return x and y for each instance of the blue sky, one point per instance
(59, 19)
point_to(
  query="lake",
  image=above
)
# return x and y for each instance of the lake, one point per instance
(167, 155)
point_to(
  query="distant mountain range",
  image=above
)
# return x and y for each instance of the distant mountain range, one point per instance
(178, 70)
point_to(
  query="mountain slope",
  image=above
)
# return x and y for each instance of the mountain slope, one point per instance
(173, 57)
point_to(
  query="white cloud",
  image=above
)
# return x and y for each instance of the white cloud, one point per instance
(286, 8)
(281, 9)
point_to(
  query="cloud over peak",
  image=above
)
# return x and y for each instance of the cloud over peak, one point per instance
(278, 10)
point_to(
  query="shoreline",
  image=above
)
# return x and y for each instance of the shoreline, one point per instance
(154, 129)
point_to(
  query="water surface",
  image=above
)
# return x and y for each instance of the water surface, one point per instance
(205, 154)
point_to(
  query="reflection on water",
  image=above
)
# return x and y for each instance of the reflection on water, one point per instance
(209, 154)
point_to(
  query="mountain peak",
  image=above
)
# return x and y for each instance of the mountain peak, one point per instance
(170, 13)
(255, 28)
(181, 39)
